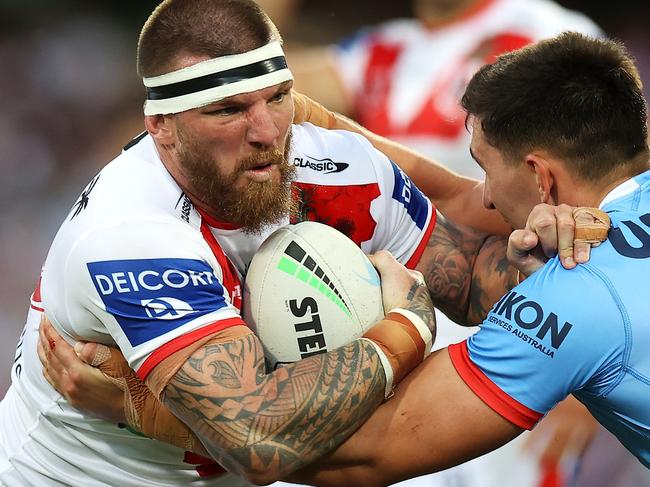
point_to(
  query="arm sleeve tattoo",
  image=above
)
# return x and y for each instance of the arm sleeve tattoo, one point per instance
(257, 424)
(466, 271)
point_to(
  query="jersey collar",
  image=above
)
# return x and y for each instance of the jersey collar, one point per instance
(625, 188)
(215, 223)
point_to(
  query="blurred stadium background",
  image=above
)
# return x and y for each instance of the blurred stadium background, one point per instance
(70, 99)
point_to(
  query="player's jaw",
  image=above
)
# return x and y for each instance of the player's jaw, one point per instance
(256, 193)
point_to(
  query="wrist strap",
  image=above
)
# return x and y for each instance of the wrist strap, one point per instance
(385, 363)
(398, 314)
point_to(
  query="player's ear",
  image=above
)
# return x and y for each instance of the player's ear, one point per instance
(544, 179)
(162, 128)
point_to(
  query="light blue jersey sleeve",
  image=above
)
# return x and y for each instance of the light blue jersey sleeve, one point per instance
(558, 332)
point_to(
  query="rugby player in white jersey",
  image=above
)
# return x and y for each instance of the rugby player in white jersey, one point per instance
(150, 258)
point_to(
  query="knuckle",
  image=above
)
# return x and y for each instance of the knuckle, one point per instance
(542, 208)
(75, 378)
(70, 392)
(566, 223)
(417, 275)
(383, 254)
(545, 222)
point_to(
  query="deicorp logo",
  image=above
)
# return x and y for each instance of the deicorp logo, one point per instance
(150, 297)
(166, 308)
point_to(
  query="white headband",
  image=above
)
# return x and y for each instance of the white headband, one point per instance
(215, 79)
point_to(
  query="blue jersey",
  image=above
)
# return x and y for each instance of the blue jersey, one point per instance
(584, 332)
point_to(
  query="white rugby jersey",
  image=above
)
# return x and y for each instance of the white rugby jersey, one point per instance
(406, 80)
(135, 265)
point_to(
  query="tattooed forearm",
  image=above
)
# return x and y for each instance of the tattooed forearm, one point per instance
(420, 304)
(492, 277)
(466, 271)
(266, 426)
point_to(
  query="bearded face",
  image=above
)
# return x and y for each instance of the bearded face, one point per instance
(234, 197)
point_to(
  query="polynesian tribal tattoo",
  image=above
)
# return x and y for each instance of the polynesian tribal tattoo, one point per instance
(420, 304)
(279, 422)
(466, 271)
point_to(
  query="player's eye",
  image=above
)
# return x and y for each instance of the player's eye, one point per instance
(278, 97)
(225, 111)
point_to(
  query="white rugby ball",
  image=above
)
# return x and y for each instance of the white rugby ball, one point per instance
(309, 289)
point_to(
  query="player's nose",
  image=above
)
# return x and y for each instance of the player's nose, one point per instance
(263, 131)
(487, 197)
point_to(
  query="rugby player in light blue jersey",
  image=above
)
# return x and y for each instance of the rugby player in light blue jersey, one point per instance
(561, 122)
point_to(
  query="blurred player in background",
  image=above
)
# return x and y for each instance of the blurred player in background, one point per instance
(403, 79)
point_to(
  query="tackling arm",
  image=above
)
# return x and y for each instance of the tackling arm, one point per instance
(433, 422)
(263, 426)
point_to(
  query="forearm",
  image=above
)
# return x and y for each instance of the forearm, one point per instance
(433, 422)
(266, 426)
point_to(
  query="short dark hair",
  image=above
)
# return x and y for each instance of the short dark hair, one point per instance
(577, 97)
(211, 28)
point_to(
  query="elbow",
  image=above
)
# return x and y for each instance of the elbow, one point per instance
(262, 476)
(256, 475)
(247, 462)
(257, 479)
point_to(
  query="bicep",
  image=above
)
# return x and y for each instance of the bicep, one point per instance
(433, 421)
(205, 361)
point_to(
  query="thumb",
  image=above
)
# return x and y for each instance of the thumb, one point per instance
(521, 242)
(91, 353)
(383, 261)
(521, 251)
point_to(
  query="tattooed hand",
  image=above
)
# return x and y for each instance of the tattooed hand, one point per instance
(404, 288)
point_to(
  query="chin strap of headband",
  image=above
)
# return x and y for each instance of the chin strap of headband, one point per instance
(215, 79)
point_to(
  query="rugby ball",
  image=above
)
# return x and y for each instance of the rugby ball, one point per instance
(309, 289)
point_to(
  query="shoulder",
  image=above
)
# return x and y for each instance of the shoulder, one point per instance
(547, 18)
(309, 136)
(558, 332)
(573, 291)
(133, 189)
(338, 154)
(574, 313)
(394, 31)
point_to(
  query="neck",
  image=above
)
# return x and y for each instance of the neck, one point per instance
(170, 162)
(592, 194)
(434, 16)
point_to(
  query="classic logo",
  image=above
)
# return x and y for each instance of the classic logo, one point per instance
(529, 315)
(186, 207)
(150, 297)
(326, 166)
